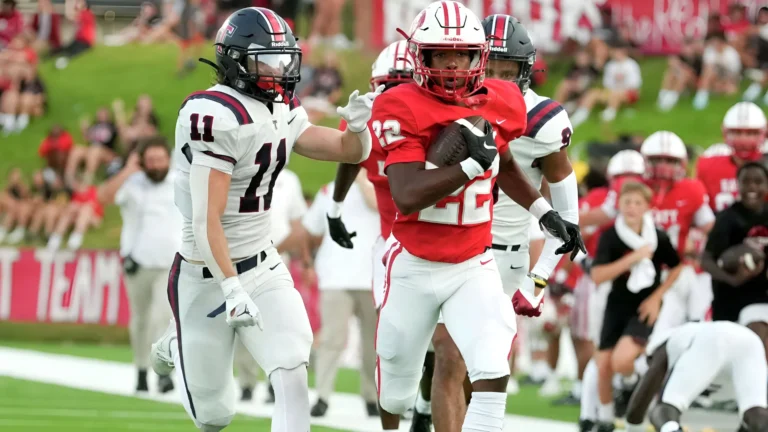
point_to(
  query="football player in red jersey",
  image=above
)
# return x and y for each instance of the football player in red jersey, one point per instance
(744, 132)
(438, 257)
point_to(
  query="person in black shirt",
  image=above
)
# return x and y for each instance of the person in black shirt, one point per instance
(101, 137)
(636, 292)
(743, 296)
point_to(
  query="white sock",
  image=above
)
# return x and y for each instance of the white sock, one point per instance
(22, 121)
(629, 381)
(540, 371)
(608, 115)
(589, 395)
(16, 235)
(605, 412)
(580, 116)
(485, 412)
(629, 427)
(641, 365)
(423, 406)
(10, 123)
(54, 243)
(670, 426)
(753, 92)
(75, 241)
(576, 389)
(291, 412)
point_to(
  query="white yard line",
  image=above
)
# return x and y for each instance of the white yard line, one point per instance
(346, 412)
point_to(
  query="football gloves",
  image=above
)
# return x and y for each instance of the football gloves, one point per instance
(357, 112)
(338, 232)
(575, 244)
(482, 149)
(568, 232)
(239, 306)
(525, 302)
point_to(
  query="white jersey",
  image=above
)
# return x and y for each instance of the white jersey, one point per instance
(224, 130)
(549, 130)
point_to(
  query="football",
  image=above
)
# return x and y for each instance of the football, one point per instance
(738, 255)
(450, 147)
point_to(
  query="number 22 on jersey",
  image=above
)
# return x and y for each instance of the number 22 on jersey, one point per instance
(469, 205)
(251, 202)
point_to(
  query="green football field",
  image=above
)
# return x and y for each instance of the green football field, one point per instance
(100, 76)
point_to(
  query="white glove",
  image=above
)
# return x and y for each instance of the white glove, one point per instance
(357, 112)
(240, 308)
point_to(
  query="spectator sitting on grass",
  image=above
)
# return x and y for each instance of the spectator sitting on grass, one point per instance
(11, 22)
(759, 44)
(184, 22)
(149, 17)
(683, 72)
(721, 72)
(101, 138)
(83, 212)
(579, 78)
(14, 202)
(621, 85)
(46, 26)
(24, 94)
(319, 98)
(79, 12)
(736, 27)
(143, 123)
(51, 200)
(55, 149)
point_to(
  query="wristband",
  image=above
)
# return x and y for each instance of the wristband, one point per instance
(365, 142)
(539, 281)
(335, 211)
(230, 284)
(471, 168)
(539, 208)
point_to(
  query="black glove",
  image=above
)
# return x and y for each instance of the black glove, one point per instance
(339, 234)
(481, 148)
(552, 223)
(575, 244)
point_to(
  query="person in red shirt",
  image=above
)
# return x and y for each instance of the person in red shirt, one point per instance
(438, 255)
(744, 131)
(55, 149)
(47, 26)
(11, 22)
(24, 95)
(83, 212)
(79, 12)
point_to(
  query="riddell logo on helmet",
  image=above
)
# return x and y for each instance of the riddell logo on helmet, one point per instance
(280, 44)
(453, 39)
(502, 49)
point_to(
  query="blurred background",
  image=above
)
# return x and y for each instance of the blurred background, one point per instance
(82, 82)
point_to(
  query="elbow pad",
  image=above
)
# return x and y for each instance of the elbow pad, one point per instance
(565, 198)
(198, 187)
(365, 142)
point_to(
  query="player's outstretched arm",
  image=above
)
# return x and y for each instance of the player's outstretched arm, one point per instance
(351, 146)
(647, 389)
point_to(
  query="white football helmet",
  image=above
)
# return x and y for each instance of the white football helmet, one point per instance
(447, 25)
(393, 66)
(626, 162)
(720, 149)
(665, 157)
(744, 129)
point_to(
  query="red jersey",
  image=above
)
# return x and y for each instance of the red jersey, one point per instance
(90, 196)
(675, 211)
(594, 199)
(62, 143)
(86, 27)
(10, 25)
(718, 174)
(54, 32)
(374, 166)
(406, 120)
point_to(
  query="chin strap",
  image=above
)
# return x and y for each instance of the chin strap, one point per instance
(209, 63)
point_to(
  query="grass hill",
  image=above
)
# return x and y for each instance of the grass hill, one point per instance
(106, 73)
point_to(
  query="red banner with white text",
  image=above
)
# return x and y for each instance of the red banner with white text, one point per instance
(84, 287)
(659, 26)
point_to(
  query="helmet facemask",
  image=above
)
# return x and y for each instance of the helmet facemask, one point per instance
(745, 142)
(452, 82)
(268, 75)
(512, 69)
(664, 171)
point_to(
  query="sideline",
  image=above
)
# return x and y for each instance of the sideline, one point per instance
(346, 412)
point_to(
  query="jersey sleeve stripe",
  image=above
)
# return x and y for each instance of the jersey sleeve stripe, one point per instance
(540, 115)
(222, 157)
(225, 100)
(294, 103)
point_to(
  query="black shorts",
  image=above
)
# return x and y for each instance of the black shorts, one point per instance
(618, 322)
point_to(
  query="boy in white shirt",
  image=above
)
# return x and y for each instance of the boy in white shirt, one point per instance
(722, 70)
(621, 85)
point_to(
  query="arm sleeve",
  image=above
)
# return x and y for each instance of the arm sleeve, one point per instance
(299, 120)
(314, 220)
(665, 252)
(223, 150)
(719, 238)
(565, 200)
(396, 129)
(606, 248)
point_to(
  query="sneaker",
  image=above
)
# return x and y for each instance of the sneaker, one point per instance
(551, 387)
(586, 425)
(319, 409)
(160, 356)
(247, 394)
(421, 422)
(605, 427)
(567, 400)
(621, 401)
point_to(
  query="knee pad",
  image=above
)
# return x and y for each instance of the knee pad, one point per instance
(287, 382)
(397, 391)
